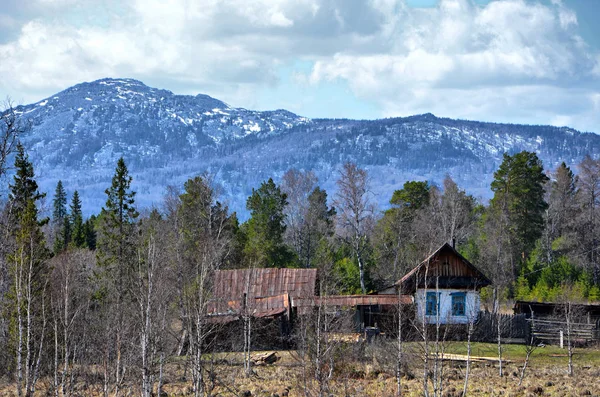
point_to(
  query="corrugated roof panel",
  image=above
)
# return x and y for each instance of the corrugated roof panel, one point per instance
(265, 282)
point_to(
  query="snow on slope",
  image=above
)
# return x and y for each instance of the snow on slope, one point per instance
(77, 135)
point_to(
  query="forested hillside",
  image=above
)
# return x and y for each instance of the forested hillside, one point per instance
(127, 289)
(77, 136)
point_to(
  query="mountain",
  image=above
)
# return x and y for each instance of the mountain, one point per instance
(78, 134)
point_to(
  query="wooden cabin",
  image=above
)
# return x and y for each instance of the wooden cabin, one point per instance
(445, 287)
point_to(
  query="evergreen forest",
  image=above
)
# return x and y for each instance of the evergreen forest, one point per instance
(105, 291)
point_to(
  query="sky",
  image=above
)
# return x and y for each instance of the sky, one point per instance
(517, 61)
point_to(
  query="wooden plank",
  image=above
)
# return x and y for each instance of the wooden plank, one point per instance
(462, 357)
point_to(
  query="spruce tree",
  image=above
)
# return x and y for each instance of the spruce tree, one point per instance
(24, 187)
(60, 219)
(318, 224)
(118, 218)
(89, 232)
(59, 204)
(116, 249)
(77, 229)
(27, 268)
(116, 252)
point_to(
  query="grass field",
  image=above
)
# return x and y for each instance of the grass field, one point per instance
(369, 371)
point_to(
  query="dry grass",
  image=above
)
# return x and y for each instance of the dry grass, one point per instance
(370, 376)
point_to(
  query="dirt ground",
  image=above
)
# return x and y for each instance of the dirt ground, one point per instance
(371, 374)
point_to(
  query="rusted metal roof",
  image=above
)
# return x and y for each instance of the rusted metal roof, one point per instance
(222, 310)
(266, 291)
(254, 306)
(353, 300)
(264, 282)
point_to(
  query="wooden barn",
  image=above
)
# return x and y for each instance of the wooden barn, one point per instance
(445, 287)
(259, 293)
(276, 296)
(262, 295)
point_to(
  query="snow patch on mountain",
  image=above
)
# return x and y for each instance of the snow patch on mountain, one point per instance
(78, 134)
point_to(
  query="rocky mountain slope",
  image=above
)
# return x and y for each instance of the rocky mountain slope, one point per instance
(78, 134)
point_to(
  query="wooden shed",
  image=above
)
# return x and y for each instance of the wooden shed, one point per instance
(547, 320)
(366, 310)
(259, 292)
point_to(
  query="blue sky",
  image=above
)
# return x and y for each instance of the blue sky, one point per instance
(521, 61)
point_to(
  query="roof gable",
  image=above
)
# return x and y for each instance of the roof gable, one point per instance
(446, 267)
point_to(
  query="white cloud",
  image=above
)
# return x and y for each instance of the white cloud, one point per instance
(534, 104)
(493, 62)
(498, 62)
(205, 43)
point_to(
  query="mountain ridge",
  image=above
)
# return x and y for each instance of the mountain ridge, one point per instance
(78, 134)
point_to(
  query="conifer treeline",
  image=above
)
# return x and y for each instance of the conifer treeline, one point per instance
(123, 291)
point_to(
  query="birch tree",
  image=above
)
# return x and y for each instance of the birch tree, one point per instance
(589, 194)
(153, 296)
(11, 126)
(71, 292)
(355, 213)
(206, 234)
(297, 186)
(29, 272)
(456, 212)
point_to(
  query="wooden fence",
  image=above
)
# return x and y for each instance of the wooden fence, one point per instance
(516, 328)
(513, 328)
(554, 330)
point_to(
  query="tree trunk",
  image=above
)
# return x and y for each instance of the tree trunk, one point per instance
(247, 344)
(28, 336)
(400, 347)
(529, 348)
(37, 365)
(19, 293)
(468, 369)
(569, 344)
(498, 330)
(361, 272)
(55, 357)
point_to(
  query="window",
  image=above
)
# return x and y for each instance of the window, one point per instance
(431, 304)
(458, 304)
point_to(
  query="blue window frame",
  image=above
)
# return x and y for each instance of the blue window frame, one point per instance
(432, 304)
(458, 303)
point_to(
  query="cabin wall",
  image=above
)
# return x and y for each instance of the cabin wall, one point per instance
(472, 306)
